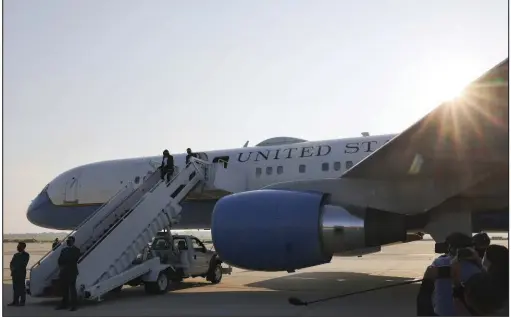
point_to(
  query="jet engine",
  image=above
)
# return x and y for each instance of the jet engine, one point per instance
(284, 230)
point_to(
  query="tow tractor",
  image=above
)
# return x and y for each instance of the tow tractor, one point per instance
(181, 256)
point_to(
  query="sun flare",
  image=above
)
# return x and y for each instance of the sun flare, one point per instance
(449, 84)
(443, 80)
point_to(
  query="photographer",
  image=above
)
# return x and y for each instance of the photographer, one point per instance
(484, 293)
(481, 243)
(456, 266)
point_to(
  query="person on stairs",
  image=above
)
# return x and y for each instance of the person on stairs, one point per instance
(167, 166)
(55, 244)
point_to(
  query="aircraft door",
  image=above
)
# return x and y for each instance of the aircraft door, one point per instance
(71, 189)
(204, 156)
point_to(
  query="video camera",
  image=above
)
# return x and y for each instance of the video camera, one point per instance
(441, 248)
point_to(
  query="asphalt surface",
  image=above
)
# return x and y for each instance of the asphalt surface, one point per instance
(249, 293)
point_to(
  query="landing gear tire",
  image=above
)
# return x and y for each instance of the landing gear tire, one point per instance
(160, 286)
(215, 274)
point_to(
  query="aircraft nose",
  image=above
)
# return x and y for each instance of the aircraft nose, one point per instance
(36, 212)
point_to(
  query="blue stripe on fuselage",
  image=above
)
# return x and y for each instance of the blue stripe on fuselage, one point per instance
(42, 212)
(196, 215)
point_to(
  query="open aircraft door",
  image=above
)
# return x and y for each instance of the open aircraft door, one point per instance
(203, 156)
(229, 177)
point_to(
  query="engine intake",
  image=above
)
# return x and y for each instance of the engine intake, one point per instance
(282, 230)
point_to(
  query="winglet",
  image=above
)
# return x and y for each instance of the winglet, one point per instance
(245, 145)
(365, 134)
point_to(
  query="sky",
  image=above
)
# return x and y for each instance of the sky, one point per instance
(93, 80)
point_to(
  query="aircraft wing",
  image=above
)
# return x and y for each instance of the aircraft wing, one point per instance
(458, 137)
(458, 152)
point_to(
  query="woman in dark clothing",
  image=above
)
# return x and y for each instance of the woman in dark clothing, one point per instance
(496, 262)
(478, 297)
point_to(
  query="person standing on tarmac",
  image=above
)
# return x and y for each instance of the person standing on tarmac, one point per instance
(167, 165)
(496, 262)
(18, 267)
(436, 292)
(68, 264)
(478, 297)
(481, 243)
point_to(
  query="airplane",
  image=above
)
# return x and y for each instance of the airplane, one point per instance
(431, 178)
(72, 196)
(299, 203)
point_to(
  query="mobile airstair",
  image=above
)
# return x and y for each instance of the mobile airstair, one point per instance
(111, 238)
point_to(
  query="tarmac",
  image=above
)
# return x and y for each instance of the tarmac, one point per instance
(250, 293)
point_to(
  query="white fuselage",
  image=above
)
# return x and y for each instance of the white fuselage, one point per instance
(76, 193)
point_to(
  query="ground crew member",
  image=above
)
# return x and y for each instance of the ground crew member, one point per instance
(481, 243)
(55, 244)
(19, 273)
(167, 165)
(189, 154)
(68, 264)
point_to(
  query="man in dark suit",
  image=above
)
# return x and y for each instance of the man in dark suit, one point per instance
(68, 264)
(55, 244)
(189, 154)
(18, 267)
(167, 165)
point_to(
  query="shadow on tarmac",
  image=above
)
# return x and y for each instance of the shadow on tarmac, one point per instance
(222, 300)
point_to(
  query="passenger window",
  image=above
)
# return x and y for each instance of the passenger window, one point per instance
(137, 179)
(197, 246)
(269, 170)
(324, 166)
(349, 164)
(280, 170)
(258, 172)
(337, 166)
(301, 168)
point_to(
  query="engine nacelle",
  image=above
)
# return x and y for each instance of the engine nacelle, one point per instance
(283, 230)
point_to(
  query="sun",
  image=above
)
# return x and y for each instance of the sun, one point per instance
(449, 89)
(446, 81)
(449, 85)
